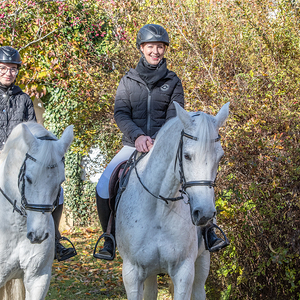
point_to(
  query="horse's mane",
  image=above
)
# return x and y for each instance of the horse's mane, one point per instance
(203, 127)
(16, 141)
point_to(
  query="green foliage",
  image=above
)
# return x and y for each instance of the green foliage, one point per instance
(245, 52)
(79, 195)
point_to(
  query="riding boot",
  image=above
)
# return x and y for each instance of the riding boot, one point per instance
(212, 241)
(61, 253)
(104, 211)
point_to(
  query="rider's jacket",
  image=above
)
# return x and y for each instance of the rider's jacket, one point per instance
(140, 110)
(15, 107)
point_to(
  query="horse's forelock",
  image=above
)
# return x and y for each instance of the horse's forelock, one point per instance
(48, 153)
(205, 131)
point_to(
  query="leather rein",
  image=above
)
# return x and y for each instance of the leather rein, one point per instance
(184, 184)
(21, 180)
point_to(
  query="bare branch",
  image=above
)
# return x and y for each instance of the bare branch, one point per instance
(191, 45)
(35, 41)
(39, 31)
(31, 79)
(212, 59)
(14, 26)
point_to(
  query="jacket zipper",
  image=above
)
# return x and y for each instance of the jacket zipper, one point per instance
(148, 111)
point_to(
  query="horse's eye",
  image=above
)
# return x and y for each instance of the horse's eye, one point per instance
(29, 180)
(187, 156)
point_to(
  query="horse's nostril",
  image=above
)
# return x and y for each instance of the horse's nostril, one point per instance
(30, 236)
(46, 236)
(196, 215)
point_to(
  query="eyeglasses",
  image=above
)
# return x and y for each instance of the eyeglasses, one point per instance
(13, 71)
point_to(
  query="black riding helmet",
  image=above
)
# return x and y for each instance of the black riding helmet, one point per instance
(152, 33)
(10, 55)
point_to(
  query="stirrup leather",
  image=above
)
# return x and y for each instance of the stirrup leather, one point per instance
(219, 246)
(72, 251)
(101, 256)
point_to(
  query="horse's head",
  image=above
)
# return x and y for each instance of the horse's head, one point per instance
(199, 154)
(41, 176)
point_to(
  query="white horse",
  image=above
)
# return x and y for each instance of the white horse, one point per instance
(31, 172)
(156, 236)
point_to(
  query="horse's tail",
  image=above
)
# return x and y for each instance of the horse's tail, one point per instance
(13, 289)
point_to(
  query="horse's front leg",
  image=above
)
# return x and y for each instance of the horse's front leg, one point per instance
(132, 281)
(183, 279)
(37, 285)
(202, 265)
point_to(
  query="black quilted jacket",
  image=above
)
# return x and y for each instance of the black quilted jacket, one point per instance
(141, 111)
(15, 107)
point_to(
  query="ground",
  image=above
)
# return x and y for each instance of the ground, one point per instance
(84, 277)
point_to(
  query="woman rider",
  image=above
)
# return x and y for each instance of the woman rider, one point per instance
(143, 103)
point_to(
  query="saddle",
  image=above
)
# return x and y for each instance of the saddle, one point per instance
(114, 183)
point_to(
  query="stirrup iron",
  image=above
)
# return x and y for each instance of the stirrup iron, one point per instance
(72, 252)
(219, 246)
(101, 256)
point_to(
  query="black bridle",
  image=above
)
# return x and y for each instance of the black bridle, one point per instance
(184, 184)
(21, 182)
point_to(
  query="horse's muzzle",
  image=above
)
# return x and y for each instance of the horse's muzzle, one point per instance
(36, 239)
(199, 218)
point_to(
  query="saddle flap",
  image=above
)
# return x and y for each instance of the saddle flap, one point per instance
(114, 183)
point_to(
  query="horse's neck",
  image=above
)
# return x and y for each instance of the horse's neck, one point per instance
(158, 175)
(158, 166)
(9, 170)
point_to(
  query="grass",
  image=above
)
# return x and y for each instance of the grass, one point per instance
(84, 277)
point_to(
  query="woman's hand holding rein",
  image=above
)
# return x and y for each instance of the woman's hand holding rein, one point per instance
(143, 143)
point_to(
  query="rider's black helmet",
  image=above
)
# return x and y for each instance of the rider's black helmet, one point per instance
(152, 33)
(10, 55)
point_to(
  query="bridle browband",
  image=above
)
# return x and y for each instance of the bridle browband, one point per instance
(184, 184)
(21, 181)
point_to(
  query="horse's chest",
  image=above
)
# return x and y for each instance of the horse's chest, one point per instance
(156, 248)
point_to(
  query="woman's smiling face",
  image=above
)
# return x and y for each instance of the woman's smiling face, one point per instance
(7, 76)
(153, 51)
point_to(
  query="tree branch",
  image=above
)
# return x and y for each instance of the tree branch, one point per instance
(43, 37)
(191, 45)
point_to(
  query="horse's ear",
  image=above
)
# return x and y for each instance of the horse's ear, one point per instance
(222, 115)
(183, 115)
(67, 138)
(29, 138)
